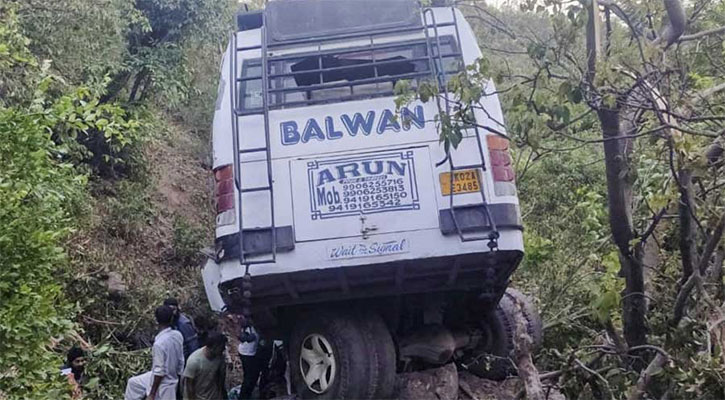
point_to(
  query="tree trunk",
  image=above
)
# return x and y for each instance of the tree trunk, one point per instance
(146, 87)
(115, 86)
(619, 197)
(140, 78)
(524, 363)
(686, 210)
(715, 275)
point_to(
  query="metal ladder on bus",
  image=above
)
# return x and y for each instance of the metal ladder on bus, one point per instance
(235, 81)
(438, 68)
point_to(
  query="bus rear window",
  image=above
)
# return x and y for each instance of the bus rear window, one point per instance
(345, 74)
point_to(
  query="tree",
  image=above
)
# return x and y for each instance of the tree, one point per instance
(155, 39)
(641, 80)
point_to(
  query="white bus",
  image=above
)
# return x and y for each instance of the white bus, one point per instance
(365, 246)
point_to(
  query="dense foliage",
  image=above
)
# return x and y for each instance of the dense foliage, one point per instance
(81, 86)
(86, 85)
(617, 113)
(37, 194)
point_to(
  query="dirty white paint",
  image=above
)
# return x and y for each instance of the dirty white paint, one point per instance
(351, 179)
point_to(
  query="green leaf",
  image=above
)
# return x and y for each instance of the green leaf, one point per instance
(565, 90)
(604, 305)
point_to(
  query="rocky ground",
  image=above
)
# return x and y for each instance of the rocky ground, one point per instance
(447, 383)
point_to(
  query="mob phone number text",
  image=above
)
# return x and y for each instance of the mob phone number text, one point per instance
(370, 195)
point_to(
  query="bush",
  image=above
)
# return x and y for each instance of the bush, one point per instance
(36, 197)
(188, 240)
(129, 210)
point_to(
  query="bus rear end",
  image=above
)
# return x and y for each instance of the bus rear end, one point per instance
(331, 195)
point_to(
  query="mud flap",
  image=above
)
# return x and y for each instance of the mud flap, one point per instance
(211, 274)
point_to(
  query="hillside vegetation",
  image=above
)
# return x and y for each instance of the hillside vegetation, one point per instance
(105, 109)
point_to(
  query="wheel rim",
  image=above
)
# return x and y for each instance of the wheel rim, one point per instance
(317, 363)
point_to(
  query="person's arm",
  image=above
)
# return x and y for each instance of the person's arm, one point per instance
(189, 391)
(180, 364)
(158, 369)
(76, 393)
(192, 343)
(155, 387)
(223, 379)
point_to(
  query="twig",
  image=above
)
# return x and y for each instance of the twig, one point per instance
(594, 373)
(695, 36)
(98, 321)
(646, 376)
(711, 244)
(651, 347)
(522, 344)
(696, 276)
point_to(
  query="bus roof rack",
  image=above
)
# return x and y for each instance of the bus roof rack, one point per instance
(247, 20)
(290, 20)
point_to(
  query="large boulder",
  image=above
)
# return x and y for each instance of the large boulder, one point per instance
(433, 384)
(115, 284)
(483, 389)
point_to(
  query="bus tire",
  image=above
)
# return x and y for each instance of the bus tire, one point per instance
(493, 359)
(328, 357)
(383, 358)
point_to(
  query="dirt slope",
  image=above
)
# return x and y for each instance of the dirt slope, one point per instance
(139, 244)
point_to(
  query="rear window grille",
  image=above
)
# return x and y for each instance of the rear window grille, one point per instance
(340, 75)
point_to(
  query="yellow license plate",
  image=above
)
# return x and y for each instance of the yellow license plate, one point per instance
(466, 181)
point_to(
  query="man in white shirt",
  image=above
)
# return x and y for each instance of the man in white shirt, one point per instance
(168, 363)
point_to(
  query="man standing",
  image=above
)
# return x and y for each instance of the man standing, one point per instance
(168, 363)
(185, 325)
(205, 371)
(255, 353)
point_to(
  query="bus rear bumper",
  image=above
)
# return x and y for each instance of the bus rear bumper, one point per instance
(487, 274)
(211, 275)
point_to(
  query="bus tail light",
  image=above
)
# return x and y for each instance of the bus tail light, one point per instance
(501, 166)
(224, 195)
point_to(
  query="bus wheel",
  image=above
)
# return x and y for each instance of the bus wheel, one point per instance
(382, 355)
(493, 358)
(328, 357)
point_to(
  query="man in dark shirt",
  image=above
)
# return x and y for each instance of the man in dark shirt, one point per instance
(185, 325)
(73, 370)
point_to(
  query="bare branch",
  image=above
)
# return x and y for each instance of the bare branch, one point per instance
(681, 301)
(711, 245)
(646, 376)
(696, 277)
(677, 25)
(527, 370)
(706, 93)
(687, 223)
(655, 221)
(698, 35)
(593, 373)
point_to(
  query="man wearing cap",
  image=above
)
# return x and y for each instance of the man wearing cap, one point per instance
(185, 325)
